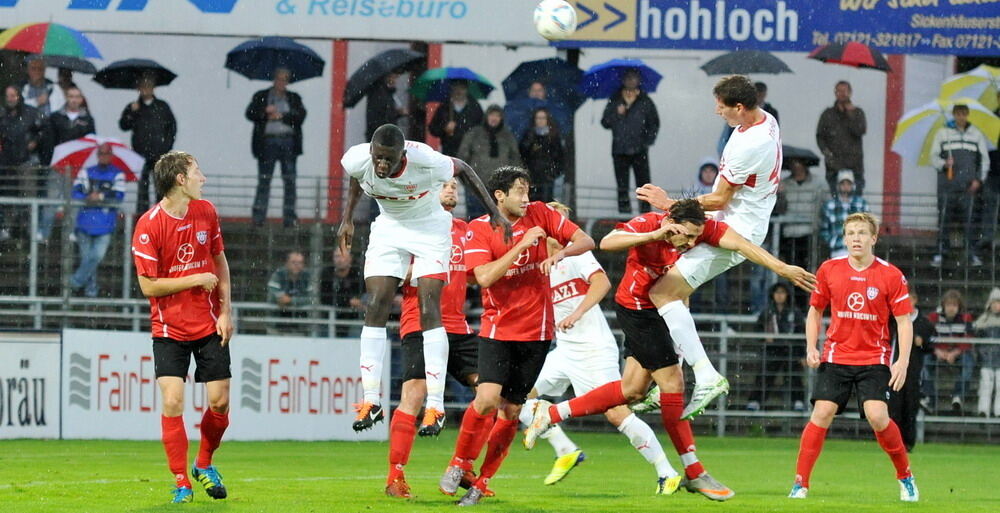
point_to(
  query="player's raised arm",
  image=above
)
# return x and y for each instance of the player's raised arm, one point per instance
(472, 182)
(345, 234)
(623, 240)
(580, 243)
(720, 196)
(758, 255)
(904, 330)
(814, 321)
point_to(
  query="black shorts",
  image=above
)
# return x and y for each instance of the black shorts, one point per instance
(514, 365)
(173, 357)
(647, 338)
(835, 382)
(462, 356)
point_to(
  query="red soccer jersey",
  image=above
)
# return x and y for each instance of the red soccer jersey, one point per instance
(164, 246)
(646, 263)
(861, 303)
(518, 307)
(452, 297)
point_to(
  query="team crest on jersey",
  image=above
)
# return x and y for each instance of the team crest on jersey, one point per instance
(202, 236)
(872, 293)
(468, 235)
(410, 187)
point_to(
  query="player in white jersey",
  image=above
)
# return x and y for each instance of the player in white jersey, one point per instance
(405, 178)
(586, 357)
(743, 197)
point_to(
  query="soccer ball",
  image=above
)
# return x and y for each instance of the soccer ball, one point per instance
(555, 19)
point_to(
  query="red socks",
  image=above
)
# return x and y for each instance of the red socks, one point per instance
(402, 430)
(810, 447)
(671, 408)
(497, 448)
(213, 425)
(892, 443)
(470, 438)
(598, 400)
(175, 443)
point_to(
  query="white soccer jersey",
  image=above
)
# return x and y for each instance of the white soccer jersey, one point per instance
(412, 193)
(752, 160)
(570, 283)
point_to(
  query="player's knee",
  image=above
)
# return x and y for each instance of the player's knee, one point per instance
(173, 405)
(632, 393)
(617, 415)
(220, 405)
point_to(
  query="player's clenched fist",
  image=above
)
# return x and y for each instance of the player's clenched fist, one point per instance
(207, 281)
(534, 233)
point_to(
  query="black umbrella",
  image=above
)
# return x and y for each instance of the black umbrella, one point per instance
(374, 69)
(790, 153)
(745, 62)
(77, 64)
(561, 80)
(126, 74)
(258, 58)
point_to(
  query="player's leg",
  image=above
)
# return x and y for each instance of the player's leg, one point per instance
(171, 360)
(872, 386)
(553, 381)
(642, 437)
(834, 384)
(212, 367)
(435, 352)
(403, 426)
(374, 340)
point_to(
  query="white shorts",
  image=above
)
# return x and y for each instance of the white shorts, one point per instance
(392, 245)
(701, 263)
(564, 368)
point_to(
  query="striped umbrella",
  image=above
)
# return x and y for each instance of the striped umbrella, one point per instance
(434, 85)
(851, 54)
(982, 84)
(915, 130)
(48, 39)
(82, 153)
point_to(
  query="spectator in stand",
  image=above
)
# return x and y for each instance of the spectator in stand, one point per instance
(838, 135)
(454, 118)
(277, 115)
(988, 326)
(21, 128)
(343, 288)
(846, 202)
(487, 147)
(960, 152)
(708, 171)
(290, 288)
(727, 130)
(544, 156)
(991, 199)
(72, 121)
(101, 187)
(154, 129)
(383, 106)
(950, 320)
(783, 356)
(801, 194)
(537, 91)
(634, 123)
(40, 92)
(905, 404)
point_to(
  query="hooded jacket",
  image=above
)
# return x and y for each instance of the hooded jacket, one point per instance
(988, 326)
(968, 148)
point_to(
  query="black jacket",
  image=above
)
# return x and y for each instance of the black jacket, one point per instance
(380, 108)
(18, 127)
(257, 112)
(59, 129)
(923, 328)
(635, 131)
(153, 127)
(543, 155)
(471, 115)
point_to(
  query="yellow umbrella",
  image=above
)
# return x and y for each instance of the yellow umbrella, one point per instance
(915, 130)
(980, 84)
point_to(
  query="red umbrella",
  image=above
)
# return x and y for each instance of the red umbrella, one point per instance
(851, 54)
(82, 153)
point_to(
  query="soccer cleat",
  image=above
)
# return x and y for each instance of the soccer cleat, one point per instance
(368, 415)
(563, 465)
(182, 494)
(433, 422)
(398, 488)
(648, 404)
(471, 497)
(707, 485)
(540, 423)
(667, 485)
(211, 479)
(469, 479)
(702, 396)
(798, 492)
(451, 479)
(908, 490)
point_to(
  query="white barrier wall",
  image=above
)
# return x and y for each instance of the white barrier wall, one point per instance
(29, 385)
(283, 388)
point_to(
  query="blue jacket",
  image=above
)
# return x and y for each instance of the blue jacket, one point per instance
(110, 182)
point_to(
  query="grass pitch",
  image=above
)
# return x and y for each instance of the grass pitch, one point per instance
(851, 476)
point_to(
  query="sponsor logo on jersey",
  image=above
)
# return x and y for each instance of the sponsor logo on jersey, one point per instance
(185, 227)
(185, 253)
(456, 254)
(144, 238)
(855, 301)
(202, 236)
(872, 293)
(522, 258)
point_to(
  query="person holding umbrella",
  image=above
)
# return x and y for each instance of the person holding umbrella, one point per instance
(452, 121)
(40, 92)
(383, 107)
(154, 130)
(101, 187)
(277, 115)
(634, 123)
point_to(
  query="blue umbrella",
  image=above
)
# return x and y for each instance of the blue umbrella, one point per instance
(605, 79)
(561, 80)
(518, 115)
(434, 85)
(258, 58)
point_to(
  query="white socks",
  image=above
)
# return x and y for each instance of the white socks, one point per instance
(435, 366)
(555, 435)
(644, 440)
(373, 344)
(685, 335)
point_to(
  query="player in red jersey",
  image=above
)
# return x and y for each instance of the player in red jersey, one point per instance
(655, 242)
(863, 293)
(517, 323)
(181, 263)
(462, 350)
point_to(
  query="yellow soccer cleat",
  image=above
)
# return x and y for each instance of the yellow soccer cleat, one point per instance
(563, 465)
(667, 485)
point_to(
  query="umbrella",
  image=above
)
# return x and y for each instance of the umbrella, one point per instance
(126, 74)
(77, 64)
(561, 81)
(982, 84)
(82, 153)
(605, 79)
(517, 115)
(790, 153)
(915, 130)
(434, 85)
(375, 69)
(258, 58)
(48, 39)
(745, 62)
(851, 54)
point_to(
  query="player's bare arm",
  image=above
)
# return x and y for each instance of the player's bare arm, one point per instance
(472, 182)
(814, 321)
(224, 324)
(655, 196)
(720, 197)
(159, 287)
(490, 273)
(599, 287)
(579, 244)
(798, 276)
(345, 234)
(621, 240)
(904, 330)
